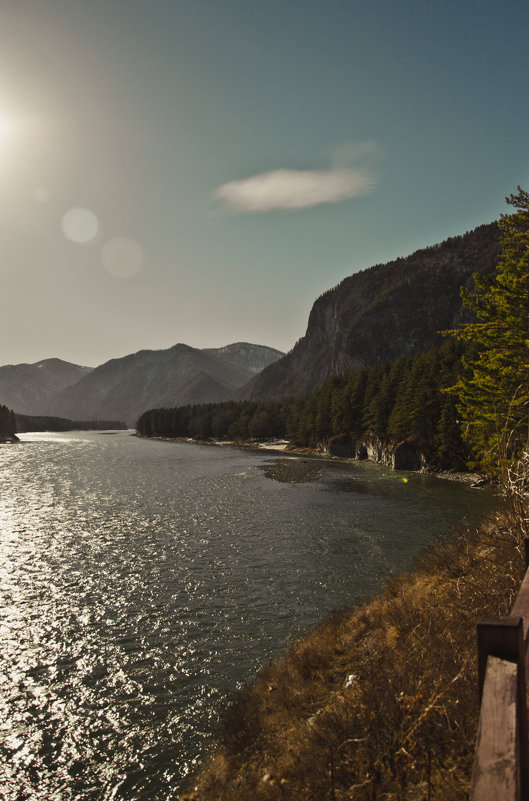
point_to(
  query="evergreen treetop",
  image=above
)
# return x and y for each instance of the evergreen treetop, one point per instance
(494, 388)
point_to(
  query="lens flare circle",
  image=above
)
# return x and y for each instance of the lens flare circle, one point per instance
(80, 225)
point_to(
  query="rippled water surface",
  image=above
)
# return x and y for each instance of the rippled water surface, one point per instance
(143, 581)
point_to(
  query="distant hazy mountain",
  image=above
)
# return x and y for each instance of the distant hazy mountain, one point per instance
(380, 314)
(252, 357)
(27, 388)
(124, 388)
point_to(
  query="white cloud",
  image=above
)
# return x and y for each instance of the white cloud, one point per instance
(293, 189)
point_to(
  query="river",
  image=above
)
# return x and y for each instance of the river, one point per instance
(143, 581)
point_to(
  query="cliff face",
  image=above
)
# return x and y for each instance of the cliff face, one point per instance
(392, 452)
(389, 311)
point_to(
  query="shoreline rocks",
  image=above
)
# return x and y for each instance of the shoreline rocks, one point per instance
(390, 451)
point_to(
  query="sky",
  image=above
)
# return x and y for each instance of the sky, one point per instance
(200, 171)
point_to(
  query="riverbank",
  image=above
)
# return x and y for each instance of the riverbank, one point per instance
(283, 446)
(380, 701)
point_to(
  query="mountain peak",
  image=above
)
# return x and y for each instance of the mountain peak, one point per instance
(245, 354)
(27, 388)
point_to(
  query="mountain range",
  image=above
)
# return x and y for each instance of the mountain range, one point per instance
(377, 315)
(29, 388)
(121, 389)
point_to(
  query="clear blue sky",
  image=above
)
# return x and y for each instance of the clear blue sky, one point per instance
(200, 171)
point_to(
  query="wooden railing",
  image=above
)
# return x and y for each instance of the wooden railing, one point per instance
(501, 763)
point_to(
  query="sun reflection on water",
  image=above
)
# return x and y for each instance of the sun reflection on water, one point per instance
(141, 582)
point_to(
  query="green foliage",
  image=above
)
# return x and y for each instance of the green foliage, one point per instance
(493, 391)
(404, 399)
(242, 420)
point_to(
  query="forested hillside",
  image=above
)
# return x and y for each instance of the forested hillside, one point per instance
(387, 312)
(404, 399)
(373, 359)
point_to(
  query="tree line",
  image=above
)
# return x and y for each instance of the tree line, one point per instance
(405, 398)
(26, 422)
(234, 420)
(11, 423)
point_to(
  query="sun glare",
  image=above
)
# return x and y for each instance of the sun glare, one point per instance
(7, 127)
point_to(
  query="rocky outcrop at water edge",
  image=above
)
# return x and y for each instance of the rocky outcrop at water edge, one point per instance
(390, 451)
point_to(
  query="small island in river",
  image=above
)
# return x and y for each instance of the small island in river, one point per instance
(292, 471)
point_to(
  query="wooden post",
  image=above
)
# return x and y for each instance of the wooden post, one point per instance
(521, 609)
(503, 637)
(496, 771)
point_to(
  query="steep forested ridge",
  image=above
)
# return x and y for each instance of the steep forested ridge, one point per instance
(404, 399)
(387, 312)
(373, 359)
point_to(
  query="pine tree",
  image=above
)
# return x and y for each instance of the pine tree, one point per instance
(399, 422)
(494, 389)
(449, 444)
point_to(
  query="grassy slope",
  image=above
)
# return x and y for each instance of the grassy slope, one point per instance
(405, 727)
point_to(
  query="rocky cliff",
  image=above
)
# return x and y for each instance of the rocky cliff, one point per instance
(388, 311)
(390, 451)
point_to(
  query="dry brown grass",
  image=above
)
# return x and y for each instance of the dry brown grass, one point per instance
(404, 729)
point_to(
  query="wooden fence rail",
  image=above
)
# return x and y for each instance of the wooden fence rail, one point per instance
(501, 763)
